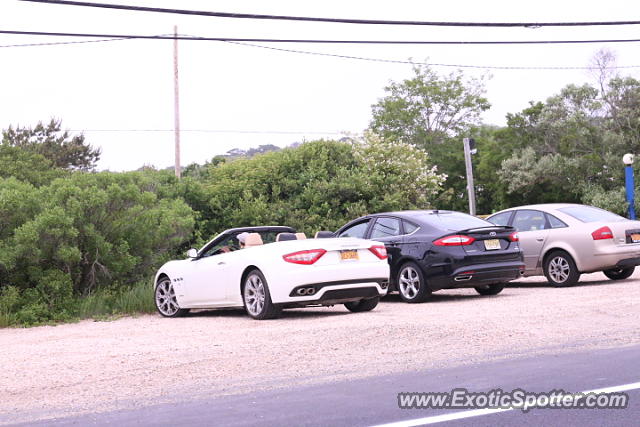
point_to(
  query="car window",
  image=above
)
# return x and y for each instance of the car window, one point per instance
(591, 214)
(228, 244)
(357, 230)
(409, 227)
(385, 227)
(529, 220)
(555, 222)
(454, 221)
(501, 218)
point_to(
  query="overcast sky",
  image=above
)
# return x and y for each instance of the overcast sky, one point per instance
(120, 93)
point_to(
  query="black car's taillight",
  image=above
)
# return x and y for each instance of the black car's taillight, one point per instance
(456, 240)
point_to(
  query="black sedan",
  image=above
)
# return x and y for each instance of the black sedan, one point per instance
(431, 250)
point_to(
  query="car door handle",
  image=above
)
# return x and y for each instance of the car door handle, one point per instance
(221, 263)
(540, 239)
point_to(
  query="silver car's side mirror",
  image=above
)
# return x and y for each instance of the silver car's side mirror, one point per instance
(192, 253)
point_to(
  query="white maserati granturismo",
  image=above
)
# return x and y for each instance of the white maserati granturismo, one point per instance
(272, 270)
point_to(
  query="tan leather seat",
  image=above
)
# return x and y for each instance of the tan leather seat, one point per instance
(253, 239)
(301, 236)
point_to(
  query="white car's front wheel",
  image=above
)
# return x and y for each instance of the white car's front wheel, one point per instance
(165, 298)
(256, 297)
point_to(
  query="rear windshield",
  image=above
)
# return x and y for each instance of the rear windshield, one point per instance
(591, 214)
(454, 221)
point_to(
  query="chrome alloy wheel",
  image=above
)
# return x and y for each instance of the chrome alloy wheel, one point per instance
(254, 294)
(559, 269)
(409, 282)
(166, 298)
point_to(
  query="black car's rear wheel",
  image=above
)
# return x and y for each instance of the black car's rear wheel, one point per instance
(362, 305)
(411, 284)
(560, 269)
(619, 273)
(494, 289)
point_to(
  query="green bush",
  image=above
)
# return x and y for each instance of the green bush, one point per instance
(81, 234)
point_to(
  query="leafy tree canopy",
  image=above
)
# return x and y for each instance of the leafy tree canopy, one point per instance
(59, 147)
(428, 108)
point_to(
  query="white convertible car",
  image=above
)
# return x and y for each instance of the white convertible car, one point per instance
(274, 270)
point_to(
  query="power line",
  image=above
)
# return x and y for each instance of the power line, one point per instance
(230, 131)
(66, 42)
(334, 55)
(399, 61)
(332, 20)
(316, 41)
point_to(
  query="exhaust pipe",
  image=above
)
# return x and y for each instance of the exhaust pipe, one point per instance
(463, 278)
(305, 291)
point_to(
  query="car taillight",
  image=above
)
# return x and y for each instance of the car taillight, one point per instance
(304, 257)
(457, 240)
(379, 251)
(602, 233)
(514, 236)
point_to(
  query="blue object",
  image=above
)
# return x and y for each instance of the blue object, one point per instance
(628, 179)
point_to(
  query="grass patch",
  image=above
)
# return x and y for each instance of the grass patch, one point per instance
(133, 300)
(104, 304)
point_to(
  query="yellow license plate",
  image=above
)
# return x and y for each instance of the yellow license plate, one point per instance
(492, 244)
(635, 238)
(348, 255)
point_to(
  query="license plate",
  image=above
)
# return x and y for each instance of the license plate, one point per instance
(348, 255)
(635, 237)
(492, 244)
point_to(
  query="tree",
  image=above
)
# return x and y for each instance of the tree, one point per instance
(569, 147)
(27, 166)
(319, 185)
(428, 109)
(63, 150)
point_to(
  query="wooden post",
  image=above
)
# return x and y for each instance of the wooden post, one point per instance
(176, 101)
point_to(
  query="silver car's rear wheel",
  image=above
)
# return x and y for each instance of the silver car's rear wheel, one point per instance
(560, 269)
(165, 298)
(619, 273)
(256, 296)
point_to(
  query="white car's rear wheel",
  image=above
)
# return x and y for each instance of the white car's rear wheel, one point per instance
(165, 298)
(257, 299)
(362, 305)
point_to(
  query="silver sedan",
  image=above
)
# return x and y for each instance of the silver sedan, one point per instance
(563, 240)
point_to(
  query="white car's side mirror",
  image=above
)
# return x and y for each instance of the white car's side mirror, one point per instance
(192, 253)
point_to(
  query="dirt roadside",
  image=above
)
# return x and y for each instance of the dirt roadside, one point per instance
(97, 366)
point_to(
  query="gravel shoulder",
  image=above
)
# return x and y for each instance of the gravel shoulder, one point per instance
(55, 371)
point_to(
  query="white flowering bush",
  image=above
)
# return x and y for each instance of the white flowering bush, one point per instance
(402, 169)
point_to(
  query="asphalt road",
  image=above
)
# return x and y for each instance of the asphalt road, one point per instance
(373, 401)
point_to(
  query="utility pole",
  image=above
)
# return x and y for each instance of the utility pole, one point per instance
(176, 104)
(468, 143)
